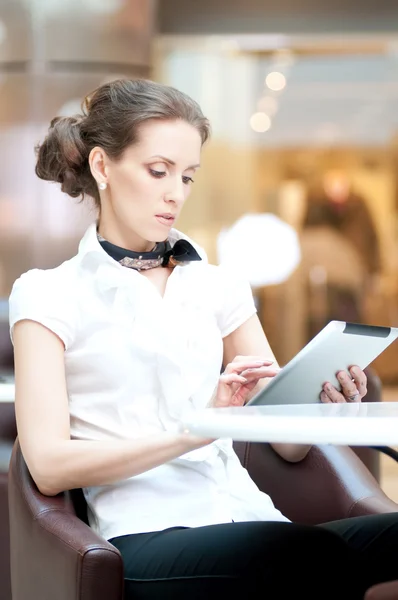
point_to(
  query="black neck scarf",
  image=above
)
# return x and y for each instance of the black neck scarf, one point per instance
(163, 255)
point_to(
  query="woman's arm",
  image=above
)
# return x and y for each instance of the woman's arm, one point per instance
(56, 462)
(249, 339)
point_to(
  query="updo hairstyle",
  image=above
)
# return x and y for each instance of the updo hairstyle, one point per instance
(111, 117)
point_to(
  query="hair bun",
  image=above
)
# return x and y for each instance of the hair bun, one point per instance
(62, 156)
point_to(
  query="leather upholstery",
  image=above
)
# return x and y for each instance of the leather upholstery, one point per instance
(383, 591)
(8, 434)
(5, 585)
(330, 483)
(53, 553)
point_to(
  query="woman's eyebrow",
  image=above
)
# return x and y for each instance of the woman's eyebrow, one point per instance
(171, 162)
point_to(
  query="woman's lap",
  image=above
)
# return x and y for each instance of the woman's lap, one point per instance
(262, 560)
(250, 560)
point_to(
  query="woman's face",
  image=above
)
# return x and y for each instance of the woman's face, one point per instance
(148, 186)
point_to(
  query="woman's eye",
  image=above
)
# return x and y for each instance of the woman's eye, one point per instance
(157, 174)
(187, 180)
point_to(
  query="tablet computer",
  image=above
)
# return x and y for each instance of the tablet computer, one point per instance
(337, 347)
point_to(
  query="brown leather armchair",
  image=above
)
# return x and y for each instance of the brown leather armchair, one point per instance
(8, 434)
(54, 554)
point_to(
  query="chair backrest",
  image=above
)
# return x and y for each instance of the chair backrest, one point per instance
(8, 426)
(79, 505)
(6, 348)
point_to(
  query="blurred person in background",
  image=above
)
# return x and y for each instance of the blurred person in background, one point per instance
(339, 235)
(337, 205)
(115, 345)
(335, 276)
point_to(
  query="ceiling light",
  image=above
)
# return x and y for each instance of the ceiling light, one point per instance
(260, 122)
(275, 81)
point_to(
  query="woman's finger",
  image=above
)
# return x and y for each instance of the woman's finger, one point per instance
(260, 372)
(325, 398)
(240, 359)
(360, 380)
(333, 394)
(348, 387)
(234, 387)
(227, 379)
(239, 367)
(227, 386)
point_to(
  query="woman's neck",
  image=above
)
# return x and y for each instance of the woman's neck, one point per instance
(124, 238)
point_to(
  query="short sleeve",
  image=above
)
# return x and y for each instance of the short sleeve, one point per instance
(237, 302)
(39, 295)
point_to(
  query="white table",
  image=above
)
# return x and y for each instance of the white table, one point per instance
(356, 424)
(7, 392)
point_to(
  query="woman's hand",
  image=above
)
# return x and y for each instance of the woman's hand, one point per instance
(353, 387)
(239, 379)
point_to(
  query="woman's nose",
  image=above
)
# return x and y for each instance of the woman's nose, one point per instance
(177, 193)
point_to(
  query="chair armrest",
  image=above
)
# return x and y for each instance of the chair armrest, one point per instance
(330, 483)
(383, 591)
(53, 553)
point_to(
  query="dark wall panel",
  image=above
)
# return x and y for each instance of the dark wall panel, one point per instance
(284, 16)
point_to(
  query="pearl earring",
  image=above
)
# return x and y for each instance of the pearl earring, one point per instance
(103, 185)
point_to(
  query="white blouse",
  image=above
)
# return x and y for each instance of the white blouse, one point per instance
(134, 363)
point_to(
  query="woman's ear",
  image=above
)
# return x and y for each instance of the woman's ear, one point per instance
(98, 165)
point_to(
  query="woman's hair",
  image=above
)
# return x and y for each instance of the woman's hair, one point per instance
(111, 119)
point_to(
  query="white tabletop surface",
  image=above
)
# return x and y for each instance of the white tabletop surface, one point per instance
(359, 424)
(7, 392)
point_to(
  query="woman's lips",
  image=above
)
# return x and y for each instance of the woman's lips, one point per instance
(165, 219)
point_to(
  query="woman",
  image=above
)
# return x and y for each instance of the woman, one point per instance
(112, 346)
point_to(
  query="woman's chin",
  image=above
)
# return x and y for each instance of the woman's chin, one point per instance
(160, 232)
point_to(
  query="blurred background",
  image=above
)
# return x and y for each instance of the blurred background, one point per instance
(303, 103)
